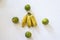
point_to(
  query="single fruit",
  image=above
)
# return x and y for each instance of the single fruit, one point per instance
(27, 7)
(24, 20)
(28, 34)
(45, 21)
(15, 19)
(29, 20)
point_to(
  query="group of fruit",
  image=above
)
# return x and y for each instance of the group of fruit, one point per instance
(30, 20)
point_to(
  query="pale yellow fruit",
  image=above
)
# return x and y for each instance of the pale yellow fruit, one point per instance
(24, 20)
(33, 20)
(29, 21)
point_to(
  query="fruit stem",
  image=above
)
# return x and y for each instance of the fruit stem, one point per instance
(29, 13)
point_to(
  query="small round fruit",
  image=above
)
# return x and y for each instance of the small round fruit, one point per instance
(28, 34)
(45, 21)
(27, 7)
(15, 20)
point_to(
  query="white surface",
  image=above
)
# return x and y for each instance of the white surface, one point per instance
(41, 8)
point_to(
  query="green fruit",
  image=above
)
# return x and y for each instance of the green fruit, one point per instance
(15, 20)
(45, 21)
(27, 7)
(28, 34)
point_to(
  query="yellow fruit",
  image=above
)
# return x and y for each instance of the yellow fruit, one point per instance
(24, 20)
(29, 21)
(33, 20)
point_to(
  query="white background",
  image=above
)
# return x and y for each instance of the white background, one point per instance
(41, 8)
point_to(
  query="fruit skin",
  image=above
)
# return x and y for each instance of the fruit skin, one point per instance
(28, 34)
(15, 19)
(27, 7)
(24, 20)
(33, 20)
(29, 20)
(45, 21)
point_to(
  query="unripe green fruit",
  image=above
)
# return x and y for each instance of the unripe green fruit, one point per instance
(15, 19)
(45, 21)
(27, 7)
(28, 34)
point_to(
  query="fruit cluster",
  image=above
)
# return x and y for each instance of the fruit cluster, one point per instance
(29, 20)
